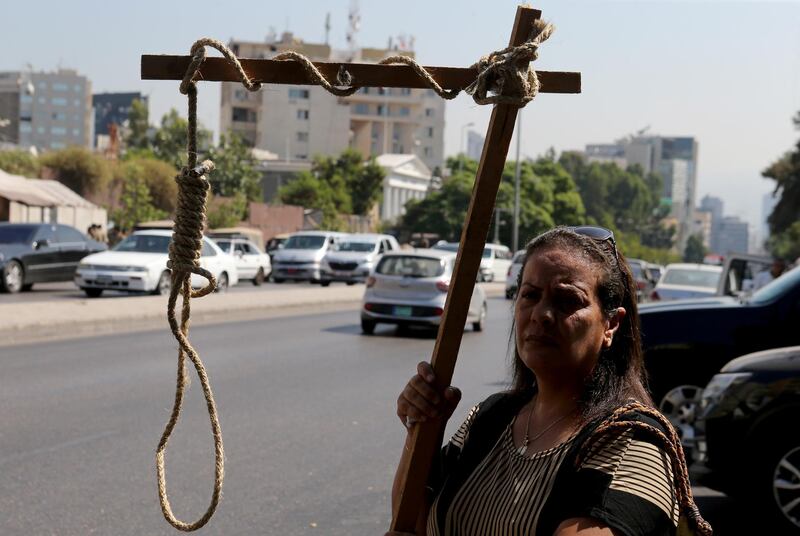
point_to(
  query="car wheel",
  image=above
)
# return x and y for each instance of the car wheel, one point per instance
(164, 284)
(368, 326)
(680, 405)
(222, 282)
(350, 283)
(509, 294)
(278, 280)
(93, 292)
(13, 277)
(325, 283)
(27, 287)
(479, 325)
(778, 492)
(259, 278)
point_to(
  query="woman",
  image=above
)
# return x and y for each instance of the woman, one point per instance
(574, 448)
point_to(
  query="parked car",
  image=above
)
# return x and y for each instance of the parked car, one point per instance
(687, 341)
(352, 259)
(274, 244)
(681, 281)
(513, 274)
(38, 252)
(139, 264)
(643, 278)
(410, 288)
(494, 263)
(252, 264)
(740, 270)
(749, 435)
(300, 258)
(656, 271)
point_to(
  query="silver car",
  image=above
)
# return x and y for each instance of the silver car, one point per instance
(410, 288)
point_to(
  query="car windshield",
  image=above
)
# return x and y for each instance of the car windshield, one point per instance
(487, 253)
(17, 234)
(363, 247)
(410, 266)
(518, 257)
(636, 270)
(691, 278)
(304, 242)
(145, 243)
(224, 245)
(446, 246)
(777, 287)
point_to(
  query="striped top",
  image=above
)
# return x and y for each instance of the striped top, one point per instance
(622, 479)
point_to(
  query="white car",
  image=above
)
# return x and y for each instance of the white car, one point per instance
(251, 263)
(300, 258)
(354, 257)
(410, 288)
(681, 281)
(139, 264)
(513, 274)
(495, 260)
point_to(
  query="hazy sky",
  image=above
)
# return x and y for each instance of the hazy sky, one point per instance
(727, 73)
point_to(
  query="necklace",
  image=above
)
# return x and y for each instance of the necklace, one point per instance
(525, 442)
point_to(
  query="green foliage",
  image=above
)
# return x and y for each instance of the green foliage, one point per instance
(308, 191)
(235, 169)
(169, 142)
(79, 169)
(158, 177)
(135, 200)
(20, 163)
(138, 124)
(784, 222)
(227, 212)
(695, 249)
(630, 245)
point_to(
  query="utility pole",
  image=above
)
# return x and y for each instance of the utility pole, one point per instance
(515, 237)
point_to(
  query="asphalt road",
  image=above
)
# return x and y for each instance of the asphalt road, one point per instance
(307, 412)
(68, 291)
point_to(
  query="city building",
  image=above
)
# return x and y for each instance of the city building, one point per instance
(111, 109)
(702, 223)
(46, 110)
(733, 236)
(715, 207)
(297, 122)
(407, 177)
(475, 143)
(674, 158)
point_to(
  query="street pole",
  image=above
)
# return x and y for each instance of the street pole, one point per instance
(515, 234)
(496, 225)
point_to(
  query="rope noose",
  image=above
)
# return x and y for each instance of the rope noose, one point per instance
(506, 73)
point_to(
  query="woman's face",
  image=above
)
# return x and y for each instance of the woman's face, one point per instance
(560, 324)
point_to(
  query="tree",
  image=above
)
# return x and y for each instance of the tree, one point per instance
(308, 191)
(138, 125)
(158, 176)
(695, 249)
(169, 141)
(227, 212)
(79, 169)
(783, 222)
(235, 169)
(366, 186)
(20, 163)
(135, 201)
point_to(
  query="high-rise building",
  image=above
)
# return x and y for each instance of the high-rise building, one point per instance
(715, 207)
(112, 108)
(53, 109)
(297, 122)
(475, 144)
(733, 236)
(674, 158)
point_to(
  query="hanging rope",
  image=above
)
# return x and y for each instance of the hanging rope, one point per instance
(669, 443)
(505, 73)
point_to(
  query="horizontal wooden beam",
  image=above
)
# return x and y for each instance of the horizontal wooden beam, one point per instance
(216, 69)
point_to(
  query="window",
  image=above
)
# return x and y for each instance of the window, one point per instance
(76, 132)
(383, 91)
(25, 99)
(296, 93)
(405, 91)
(56, 145)
(428, 112)
(427, 151)
(69, 235)
(58, 116)
(40, 130)
(42, 100)
(380, 110)
(208, 250)
(404, 111)
(59, 101)
(302, 114)
(240, 94)
(361, 108)
(42, 85)
(244, 115)
(302, 136)
(60, 86)
(58, 131)
(301, 157)
(25, 127)
(76, 103)
(430, 132)
(77, 88)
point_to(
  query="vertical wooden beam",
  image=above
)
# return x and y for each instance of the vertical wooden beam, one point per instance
(415, 463)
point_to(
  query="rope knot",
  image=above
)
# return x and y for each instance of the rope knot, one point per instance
(506, 76)
(198, 52)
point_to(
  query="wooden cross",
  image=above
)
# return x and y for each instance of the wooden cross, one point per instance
(425, 438)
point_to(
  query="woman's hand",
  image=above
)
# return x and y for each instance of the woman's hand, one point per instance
(423, 399)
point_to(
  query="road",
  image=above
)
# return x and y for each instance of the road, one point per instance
(307, 412)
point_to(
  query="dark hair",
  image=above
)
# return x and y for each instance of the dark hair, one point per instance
(619, 374)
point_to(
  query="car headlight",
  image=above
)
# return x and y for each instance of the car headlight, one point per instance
(719, 385)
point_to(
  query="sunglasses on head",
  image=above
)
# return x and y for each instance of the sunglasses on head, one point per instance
(601, 234)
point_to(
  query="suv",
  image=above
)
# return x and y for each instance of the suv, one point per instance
(300, 258)
(749, 434)
(354, 257)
